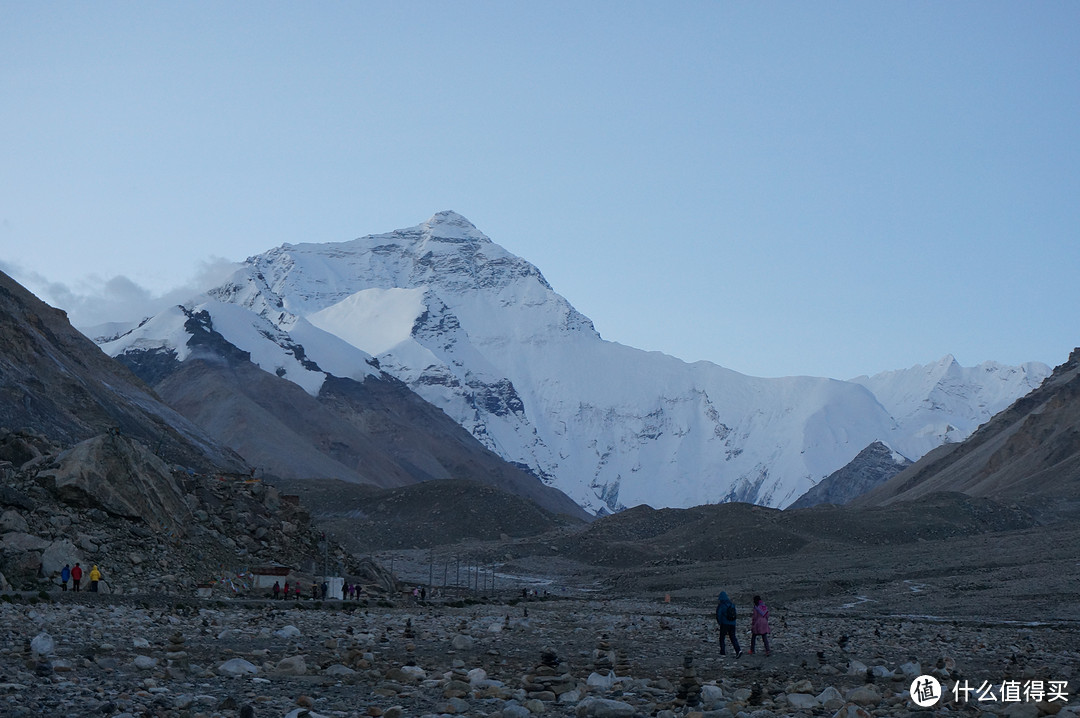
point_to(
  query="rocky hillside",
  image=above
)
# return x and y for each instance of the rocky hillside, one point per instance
(1028, 453)
(57, 383)
(873, 466)
(149, 526)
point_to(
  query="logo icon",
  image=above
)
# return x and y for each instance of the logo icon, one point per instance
(925, 691)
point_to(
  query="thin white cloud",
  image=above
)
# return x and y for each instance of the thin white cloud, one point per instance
(94, 300)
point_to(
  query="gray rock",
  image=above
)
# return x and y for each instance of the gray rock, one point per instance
(145, 663)
(287, 632)
(18, 541)
(57, 555)
(12, 520)
(237, 667)
(831, 698)
(291, 666)
(866, 695)
(802, 701)
(43, 645)
(604, 708)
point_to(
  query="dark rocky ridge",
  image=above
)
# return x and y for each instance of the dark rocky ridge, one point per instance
(872, 467)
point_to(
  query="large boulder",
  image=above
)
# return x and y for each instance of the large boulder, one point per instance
(12, 520)
(57, 555)
(122, 477)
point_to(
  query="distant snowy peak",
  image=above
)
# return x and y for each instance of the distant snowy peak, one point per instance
(944, 402)
(446, 255)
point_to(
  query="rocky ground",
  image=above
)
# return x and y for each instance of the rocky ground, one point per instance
(852, 628)
(132, 656)
(617, 619)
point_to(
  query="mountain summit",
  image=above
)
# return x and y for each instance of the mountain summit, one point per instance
(479, 333)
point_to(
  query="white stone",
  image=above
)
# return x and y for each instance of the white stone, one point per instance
(43, 644)
(831, 698)
(802, 701)
(911, 669)
(237, 667)
(287, 632)
(339, 670)
(711, 695)
(856, 668)
(145, 663)
(600, 681)
(476, 675)
(140, 642)
(415, 672)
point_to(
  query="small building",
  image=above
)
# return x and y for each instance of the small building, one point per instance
(265, 576)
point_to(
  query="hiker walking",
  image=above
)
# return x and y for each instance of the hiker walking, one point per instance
(76, 577)
(726, 616)
(759, 625)
(95, 576)
(65, 576)
(277, 589)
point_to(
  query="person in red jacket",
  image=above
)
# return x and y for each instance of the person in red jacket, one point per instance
(76, 577)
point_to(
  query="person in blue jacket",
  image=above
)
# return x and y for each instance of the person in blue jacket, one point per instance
(65, 576)
(726, 616)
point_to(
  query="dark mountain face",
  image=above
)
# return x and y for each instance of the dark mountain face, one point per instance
(57, 383)
(1029, 453)
(376, 432)
(872, 467)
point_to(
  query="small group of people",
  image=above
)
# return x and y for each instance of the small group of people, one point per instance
(75, 575)
(290, 589)
(727, 617)
(348, 590)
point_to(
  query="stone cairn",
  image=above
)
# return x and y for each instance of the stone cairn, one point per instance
(547, 682)
(622, 664)
(603, 658)
(689, 692)
(457, 684)
(175, 652)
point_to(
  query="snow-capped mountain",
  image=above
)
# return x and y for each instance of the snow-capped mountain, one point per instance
(480, 333)
(944, 402)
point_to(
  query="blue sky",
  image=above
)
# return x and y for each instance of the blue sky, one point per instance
(830, 188)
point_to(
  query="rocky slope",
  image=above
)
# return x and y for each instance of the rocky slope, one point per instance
(874, 465)
(1028, 453)
(150, 527)
(57, 383)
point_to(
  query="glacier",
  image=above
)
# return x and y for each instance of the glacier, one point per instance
(479, 332)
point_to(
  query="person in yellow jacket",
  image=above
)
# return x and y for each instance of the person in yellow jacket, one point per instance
(95, 576)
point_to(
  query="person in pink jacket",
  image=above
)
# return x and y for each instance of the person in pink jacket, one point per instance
(759, 625)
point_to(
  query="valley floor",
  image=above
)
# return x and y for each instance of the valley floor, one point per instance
(852, 628)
